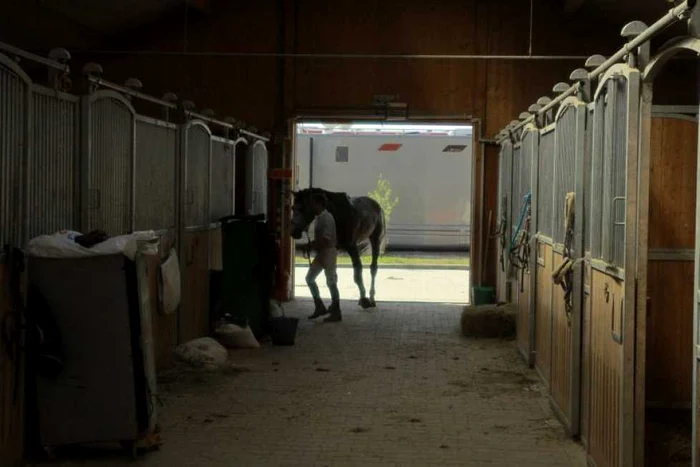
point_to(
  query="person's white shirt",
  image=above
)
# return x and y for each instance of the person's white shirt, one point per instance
(325, 227)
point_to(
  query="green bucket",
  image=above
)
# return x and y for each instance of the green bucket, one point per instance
(483, 295)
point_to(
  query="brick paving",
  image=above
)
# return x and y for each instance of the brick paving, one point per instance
(396, 386)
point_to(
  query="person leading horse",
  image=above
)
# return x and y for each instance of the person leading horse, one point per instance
(359, 224)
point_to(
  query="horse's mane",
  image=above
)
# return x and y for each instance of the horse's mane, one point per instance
(340, 206)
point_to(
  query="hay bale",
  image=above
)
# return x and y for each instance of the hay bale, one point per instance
(489, 321)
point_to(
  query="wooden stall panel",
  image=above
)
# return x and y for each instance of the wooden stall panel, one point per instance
(194, 312)
(514, 287)
(164, 327)
(523, 321)
(216, 261)
(543, 313)
(10, 403)
(561, 348)
(605, 368)
(586, 355)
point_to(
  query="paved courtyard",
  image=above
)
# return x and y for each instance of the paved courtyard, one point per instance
(437, 285)
(397, 386)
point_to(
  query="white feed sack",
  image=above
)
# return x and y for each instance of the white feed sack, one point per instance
(203, 352)
(236, 337)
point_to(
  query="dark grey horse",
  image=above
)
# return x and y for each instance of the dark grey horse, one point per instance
(359, 223)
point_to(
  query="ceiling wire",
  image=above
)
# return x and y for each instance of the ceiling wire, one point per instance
(335, 55)
(185, 24)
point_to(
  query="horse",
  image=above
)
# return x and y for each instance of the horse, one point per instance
(359, 224)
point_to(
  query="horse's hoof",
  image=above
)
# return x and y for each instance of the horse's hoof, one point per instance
(372, 304)
(365, 303)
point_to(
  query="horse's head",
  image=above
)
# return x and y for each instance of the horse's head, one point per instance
(302, 213)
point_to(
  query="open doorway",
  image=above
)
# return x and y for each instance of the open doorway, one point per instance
(420, 173)
(670, 268)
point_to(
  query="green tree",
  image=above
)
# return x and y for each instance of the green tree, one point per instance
(382, 195)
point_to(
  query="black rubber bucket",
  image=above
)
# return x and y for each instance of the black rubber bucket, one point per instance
(283, 330)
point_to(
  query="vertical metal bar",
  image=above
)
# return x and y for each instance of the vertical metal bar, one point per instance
(532, 260)
(180, 206)
(642, 266)
(26, 164)
(577, 311)
(85, 160)
(311, 162)
(132, 187)
(696, 315)
(629, 306)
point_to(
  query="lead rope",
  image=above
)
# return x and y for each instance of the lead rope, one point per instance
(564, 274)
(307, 249)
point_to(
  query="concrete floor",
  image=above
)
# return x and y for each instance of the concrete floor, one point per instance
(395, 284)
(395, 386)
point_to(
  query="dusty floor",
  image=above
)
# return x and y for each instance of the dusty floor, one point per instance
(396, 386)
(671, 435)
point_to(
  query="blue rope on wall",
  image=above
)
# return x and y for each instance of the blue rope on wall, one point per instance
(526, 203)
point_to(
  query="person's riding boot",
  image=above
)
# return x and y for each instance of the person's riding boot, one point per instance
(320, 309)
(335, 314)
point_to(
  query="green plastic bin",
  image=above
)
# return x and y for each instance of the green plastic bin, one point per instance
(484, 295)
(244, 283)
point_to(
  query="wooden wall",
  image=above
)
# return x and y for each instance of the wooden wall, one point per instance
(670, 283)
(255, 88)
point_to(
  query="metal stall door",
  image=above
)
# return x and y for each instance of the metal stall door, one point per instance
(223, 178)
(696, 319)
(256, 180)
(565, 387)
(515, 210)
(156, 209)
(610, 369)
(543, 254)
(53, 188)
(586, 297)
(240, 150)
(156, 175)
(108, 165)
(15, 125)
(667, 136)
(501, 209)
(521, 249)
(505, 187)
(195, 230)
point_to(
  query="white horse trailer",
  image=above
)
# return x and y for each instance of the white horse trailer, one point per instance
(428, 167)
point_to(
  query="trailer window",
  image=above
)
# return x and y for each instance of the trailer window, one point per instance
(341, 154)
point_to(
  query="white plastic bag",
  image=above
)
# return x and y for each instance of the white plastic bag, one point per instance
(62, 245)
(169, 284)
(236, 337)
(276, 309)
